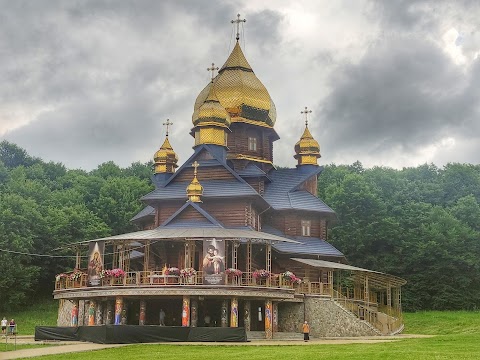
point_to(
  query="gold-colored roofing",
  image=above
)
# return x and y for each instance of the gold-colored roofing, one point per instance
(165, 158)
(307, 146)
(195, 189)
(240, 92)
(210, 112)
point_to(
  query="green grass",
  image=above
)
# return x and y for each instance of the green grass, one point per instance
(458, 337)
(42, 313)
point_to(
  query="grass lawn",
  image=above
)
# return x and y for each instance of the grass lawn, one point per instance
(458, 337)
(42, 313)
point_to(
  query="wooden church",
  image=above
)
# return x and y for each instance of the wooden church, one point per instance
(228, 239)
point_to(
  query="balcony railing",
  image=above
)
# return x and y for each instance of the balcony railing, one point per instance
(158, 278)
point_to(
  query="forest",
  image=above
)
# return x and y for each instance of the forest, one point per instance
(421, 223)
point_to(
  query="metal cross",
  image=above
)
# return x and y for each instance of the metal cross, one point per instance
(167, 124)
(195, 165)
(238, 21)
(306, 112)
(212, 69)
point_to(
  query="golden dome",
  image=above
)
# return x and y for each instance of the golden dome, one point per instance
(195, 189)
(165, 158)
(210, 112)
(240, 92)
(307, 149)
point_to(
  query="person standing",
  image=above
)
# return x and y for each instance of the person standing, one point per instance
(162, 317)
(12, 326)
(306, 331)
(4, 325)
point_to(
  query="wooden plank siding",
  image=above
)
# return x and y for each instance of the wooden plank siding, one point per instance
(310, 185)
(204, 173)
(229, 214)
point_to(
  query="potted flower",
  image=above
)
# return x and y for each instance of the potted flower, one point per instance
(60, 277)
(188, 275)
(261, 275)
(76, 277)
(233, 272)
(188, 272)
(172, 271)
(117, 273)
(290, 277)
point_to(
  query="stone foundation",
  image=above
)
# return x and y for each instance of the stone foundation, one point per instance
(326, 319)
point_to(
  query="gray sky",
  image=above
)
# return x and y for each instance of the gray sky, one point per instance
(392, 83)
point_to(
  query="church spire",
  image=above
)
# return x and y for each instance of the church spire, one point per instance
(307, 149)
(195, 189)
(165, 158)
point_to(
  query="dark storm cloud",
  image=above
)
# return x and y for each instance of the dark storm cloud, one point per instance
(108, 72)
(405, 93)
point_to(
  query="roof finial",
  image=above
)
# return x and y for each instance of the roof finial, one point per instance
(238, 21)
(306, 112)
(212, 69)
(167, 124)
(195, 166)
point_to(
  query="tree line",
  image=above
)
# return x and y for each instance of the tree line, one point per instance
(422, 223)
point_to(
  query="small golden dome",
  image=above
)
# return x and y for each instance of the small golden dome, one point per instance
(210, 112)
(165, 158)
(195, 189)
(240, 92)
(307, 149)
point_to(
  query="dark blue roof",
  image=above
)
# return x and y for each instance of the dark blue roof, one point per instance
(211, 189)
(252, 170)
(216, 161)
(146, 212)
(282, 193)
(207, 218)
(307, 246)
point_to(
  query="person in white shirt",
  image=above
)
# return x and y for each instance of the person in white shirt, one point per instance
(4, 325)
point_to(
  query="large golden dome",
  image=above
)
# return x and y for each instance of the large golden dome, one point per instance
(307, 149)
(240, 92)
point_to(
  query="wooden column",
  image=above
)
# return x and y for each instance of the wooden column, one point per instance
(330, 282)
(235, 245)
(275, 317)
(123, 320)
(78, 259)
(143, 312)
(91, 313)
(224, 314)
(268, 260)
(268, 320)
(146, 256)
(234, 312)
(249, 261)
(194, 313)
(186, 311)
(366, 291)
(246, 315)
(99, 313)
(110, 312)
(118, 310)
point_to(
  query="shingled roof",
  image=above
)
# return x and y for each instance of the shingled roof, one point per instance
(283, 194)
(306, 245)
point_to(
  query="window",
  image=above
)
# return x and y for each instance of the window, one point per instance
(252, 143)
(306, 225)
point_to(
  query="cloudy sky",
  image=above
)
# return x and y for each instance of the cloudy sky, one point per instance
(390, 83)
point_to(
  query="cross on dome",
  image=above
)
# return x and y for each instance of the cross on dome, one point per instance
(212, 69)
(167, 124)
(238, 21)
(195, 165)
(306, 112)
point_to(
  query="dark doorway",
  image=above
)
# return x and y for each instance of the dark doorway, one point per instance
(257, 316)
(209, 313)
(172, 307)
